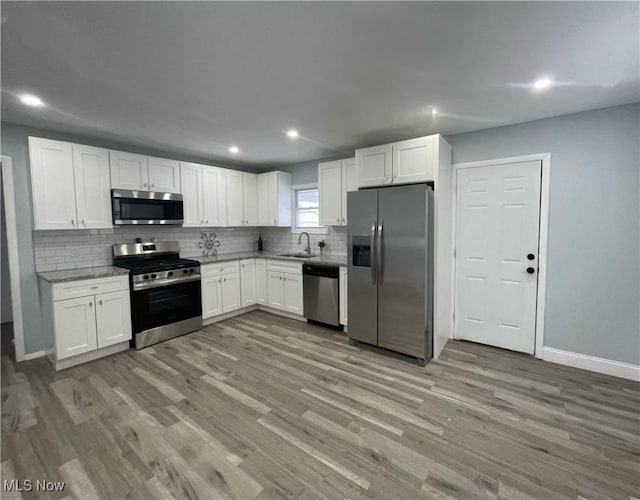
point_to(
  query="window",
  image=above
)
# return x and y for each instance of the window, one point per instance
(307, 209)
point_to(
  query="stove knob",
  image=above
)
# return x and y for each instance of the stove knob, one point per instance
(154, 276)
(170, 273)
(145, 277)
(186, 271)
(190, 270)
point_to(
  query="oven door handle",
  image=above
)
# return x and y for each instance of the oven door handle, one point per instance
(165, 282)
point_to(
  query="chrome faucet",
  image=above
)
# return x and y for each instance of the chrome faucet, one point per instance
(308, 248)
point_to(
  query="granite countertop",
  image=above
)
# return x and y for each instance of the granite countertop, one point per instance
(335, 260)
(83, 273)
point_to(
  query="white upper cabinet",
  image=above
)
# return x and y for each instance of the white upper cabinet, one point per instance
(163, 175)
(250, 198)
(70, 185)
(330, 193)
(214, 196)
(129, 171)
(274, 199)
(374, 166)
(92, 187)
(52, 183)
(191, 186)
(404, 162)
(235, 198)
(413, 160)
(204, 195)
(335, 179)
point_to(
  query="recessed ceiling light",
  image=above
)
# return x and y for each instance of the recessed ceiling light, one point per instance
(293, 133)
(233, 149)
(433, 111)
(543, 83)
(31, 100)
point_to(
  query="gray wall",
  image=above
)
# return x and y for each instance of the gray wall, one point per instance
(6, 312)
(593, 273)
(15, 144)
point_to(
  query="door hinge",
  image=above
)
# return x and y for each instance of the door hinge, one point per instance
(454, 316)
(454, 252)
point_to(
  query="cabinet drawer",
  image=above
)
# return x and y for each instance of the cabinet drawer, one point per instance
(84, 288)
(284, 266)
(222, 268)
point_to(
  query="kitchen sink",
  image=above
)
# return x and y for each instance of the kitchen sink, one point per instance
(296, 255)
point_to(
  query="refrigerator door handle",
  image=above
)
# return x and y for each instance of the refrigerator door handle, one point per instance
(380, 250)
(372, 253)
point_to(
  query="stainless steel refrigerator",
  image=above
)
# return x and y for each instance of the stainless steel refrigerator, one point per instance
(390, 257)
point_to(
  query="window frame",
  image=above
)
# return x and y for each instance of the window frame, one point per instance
(294, 210)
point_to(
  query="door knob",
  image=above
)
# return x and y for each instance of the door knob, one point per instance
(530, 256)
(531, 270)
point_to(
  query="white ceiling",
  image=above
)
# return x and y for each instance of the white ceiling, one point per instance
(195, 77)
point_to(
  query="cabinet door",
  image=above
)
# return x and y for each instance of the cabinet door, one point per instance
(75, 326)
(293, 293)
(349, 183)
(343, 295)
(214, 196)
(265, 210)
(262, 296)
(250, 198)
(211, 296)
(235, 203)
(231, 299)
(275, 290)
(93, 187)
(280, 190)
(191, 186)
(52, 184)
(413, 160)
(330, 193)
(113, 317)
(128, 171)
(164, 175)
(374, 166)
(248, 282)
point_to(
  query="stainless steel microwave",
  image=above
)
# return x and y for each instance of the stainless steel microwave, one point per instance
(146, 207)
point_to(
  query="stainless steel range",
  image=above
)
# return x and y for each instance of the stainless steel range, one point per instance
(166, 298)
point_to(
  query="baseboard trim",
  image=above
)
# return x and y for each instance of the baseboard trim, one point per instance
(62, 364)
(592, 363)
(35, 355)
(248, 309)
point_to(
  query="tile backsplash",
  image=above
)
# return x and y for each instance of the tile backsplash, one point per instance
(57, 250)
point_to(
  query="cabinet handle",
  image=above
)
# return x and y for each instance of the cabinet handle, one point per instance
(206, 222)
(338, 219)
(275, 221)
(94, 287)
(153, 185)
(90, 304)
(73, 223)
(83, 222)
(100, 302)
(225, 280)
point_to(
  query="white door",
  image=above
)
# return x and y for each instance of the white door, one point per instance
(93, 187)
(214, 197)
(374, 166)
(330, 193)
(113, 317)
(262, 296)
(231, 298)
(53, 188)
(293, 293)
(349, 183)
(497, 225)
(343, 295)
(128, 171)
(248, 282)
(250, 198)
(275, 290)
(75, 326)
(235, 203)
(413, 160)
(264, 201)
(164, 175)
(211, 296)
(191, 186)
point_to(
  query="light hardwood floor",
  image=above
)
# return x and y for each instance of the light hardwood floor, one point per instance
(265, 407)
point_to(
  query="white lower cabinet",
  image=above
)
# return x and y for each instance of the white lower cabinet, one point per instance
(293, 293)
(343, 295)
(248, 290)
(284, 286)
(220, 288)
(231, 298)
(262, 295)
(87, 315)
(275, 287)
(211, 296)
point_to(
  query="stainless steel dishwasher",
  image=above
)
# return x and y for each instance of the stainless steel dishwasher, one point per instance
(321, 294)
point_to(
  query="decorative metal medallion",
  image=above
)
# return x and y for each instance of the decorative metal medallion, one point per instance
(209, 243)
